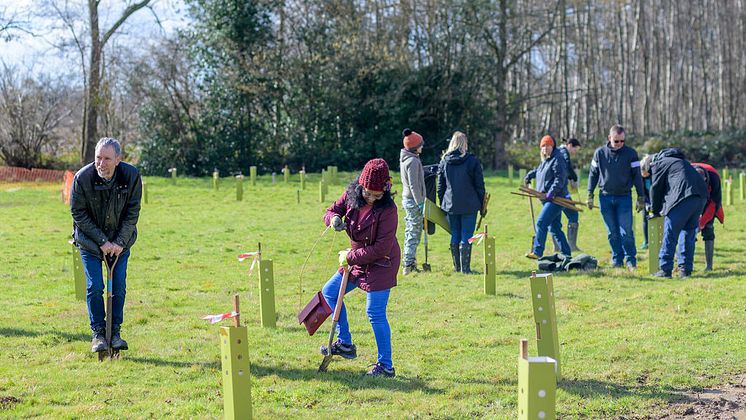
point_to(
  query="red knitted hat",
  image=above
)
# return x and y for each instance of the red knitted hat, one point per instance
(547, 140)
(375, 175)
(412, 140)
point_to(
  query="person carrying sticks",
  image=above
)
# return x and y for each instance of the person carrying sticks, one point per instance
(551, 179)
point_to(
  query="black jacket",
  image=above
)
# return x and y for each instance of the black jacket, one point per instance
(674, 179)
(551, 175)
(565, 154)
(460, 184)
(105, 213)
(615, 171)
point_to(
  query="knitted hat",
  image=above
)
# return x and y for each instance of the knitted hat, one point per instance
(375, 175)
(547, 141)
(412, 140)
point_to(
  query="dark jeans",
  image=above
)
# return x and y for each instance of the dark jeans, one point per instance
(94, 297)
(572, 215)
(462, 227)
(550, 220)
(616, 211)
(682, 219)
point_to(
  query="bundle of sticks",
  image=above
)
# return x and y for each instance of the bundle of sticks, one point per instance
(560, 201)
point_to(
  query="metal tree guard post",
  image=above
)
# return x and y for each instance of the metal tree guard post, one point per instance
(78, 273)
(252, 175)
(286, 173)
(173, 176)
(537, 386)
(510, 175)
(542, 296)
(239, 187)
(267, 295)
(234, 358)
(741, 180)
(655, 239)
(489, 263)
(302, 174)
(215, 180)
(144, 191)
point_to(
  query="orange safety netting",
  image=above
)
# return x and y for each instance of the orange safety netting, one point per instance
(69, 176)
(14, 174)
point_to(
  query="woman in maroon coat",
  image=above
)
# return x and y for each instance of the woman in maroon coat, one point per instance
(368, 214)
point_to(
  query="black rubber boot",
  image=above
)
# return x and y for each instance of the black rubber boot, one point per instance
(117, 343)
(465, 258)
(99, 342)
(709, 251)
(572, 236)
(456, 258)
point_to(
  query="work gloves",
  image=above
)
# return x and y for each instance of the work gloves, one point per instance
(589, 202)
(525, 182)
(338, 224)
(640, 206)
(343, 257)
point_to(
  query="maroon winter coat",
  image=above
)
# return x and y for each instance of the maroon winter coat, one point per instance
(375, 256)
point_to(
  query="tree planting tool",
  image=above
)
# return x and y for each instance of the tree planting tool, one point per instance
(425, 265)
(533, 222)
(109, 352)
(337, 309)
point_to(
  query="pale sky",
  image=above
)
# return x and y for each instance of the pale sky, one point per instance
(37, 51)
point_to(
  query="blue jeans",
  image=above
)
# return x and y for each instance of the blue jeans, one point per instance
(616, 211)
(682, 219)
(462, 227)
(95, 290)
(412, 230)
(376, 308)
(550, 219)
(572, 215)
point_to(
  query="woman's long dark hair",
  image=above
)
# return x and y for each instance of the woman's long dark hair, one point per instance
(355, 198)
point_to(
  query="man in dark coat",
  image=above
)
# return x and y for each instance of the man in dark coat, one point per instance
(105, 206)
(678, 193)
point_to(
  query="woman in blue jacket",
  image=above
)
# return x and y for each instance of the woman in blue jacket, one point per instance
(551, 178)
(461, 194)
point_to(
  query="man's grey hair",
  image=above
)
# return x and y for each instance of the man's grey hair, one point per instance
(110, 142)
(616, 129)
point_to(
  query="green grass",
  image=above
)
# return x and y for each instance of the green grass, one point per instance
(629, 344)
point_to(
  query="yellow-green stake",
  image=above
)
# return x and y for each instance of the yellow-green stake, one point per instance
(542, 296)
(537, 386)
(725, 173)
(252, 175)
(655, 239)
(239, 187)
(78, 273)
(729, 192)
(302, 174)
(173, 175)
(741, 181)
(286, 173)
(322, 192)
(489, 263)
(215, 180)
(267, 295)
(145, 192)
(234, 360)
(510, 175)
(521, 175)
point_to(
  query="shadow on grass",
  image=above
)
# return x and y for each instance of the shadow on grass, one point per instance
(18, 332)
(173, 363)
(351, 380)
(590, 388)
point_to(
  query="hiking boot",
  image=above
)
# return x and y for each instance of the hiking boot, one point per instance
(456, 256)
(379, 370)
(348, 351)
(662, 274)
(117, 343)
(532, 256)
(684, 274)
(631, 267)
(99, 342)
(410, 269)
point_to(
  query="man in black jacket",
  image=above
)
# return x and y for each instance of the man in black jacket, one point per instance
(105, 206)
(616, 169)
(679, 193)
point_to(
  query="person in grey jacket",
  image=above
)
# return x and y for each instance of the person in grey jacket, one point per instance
(461, 194)
(679, 194)
(413, 196)
(105, 206)
(615, 168)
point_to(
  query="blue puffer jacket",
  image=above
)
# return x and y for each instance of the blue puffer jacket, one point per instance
(460, 183)
(551, 175)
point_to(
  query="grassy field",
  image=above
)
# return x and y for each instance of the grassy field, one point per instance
(629, 344)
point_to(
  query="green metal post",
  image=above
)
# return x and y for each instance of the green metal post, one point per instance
(655, 239)
(234, 360)
(267, 295)
(215, 180)
(510, 175)
(489, 264)
(252, 175)
(239, 187)
(78, 273)
(725, 173)
(173, 176)
(145, 192)
(521, 174)
(302, 179)
(286, 173)
(729, 192)
(537, 386)
(542, 296)
(741, 181)
(322, 194)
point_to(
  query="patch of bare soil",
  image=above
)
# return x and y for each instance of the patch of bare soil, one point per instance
(726, 402)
